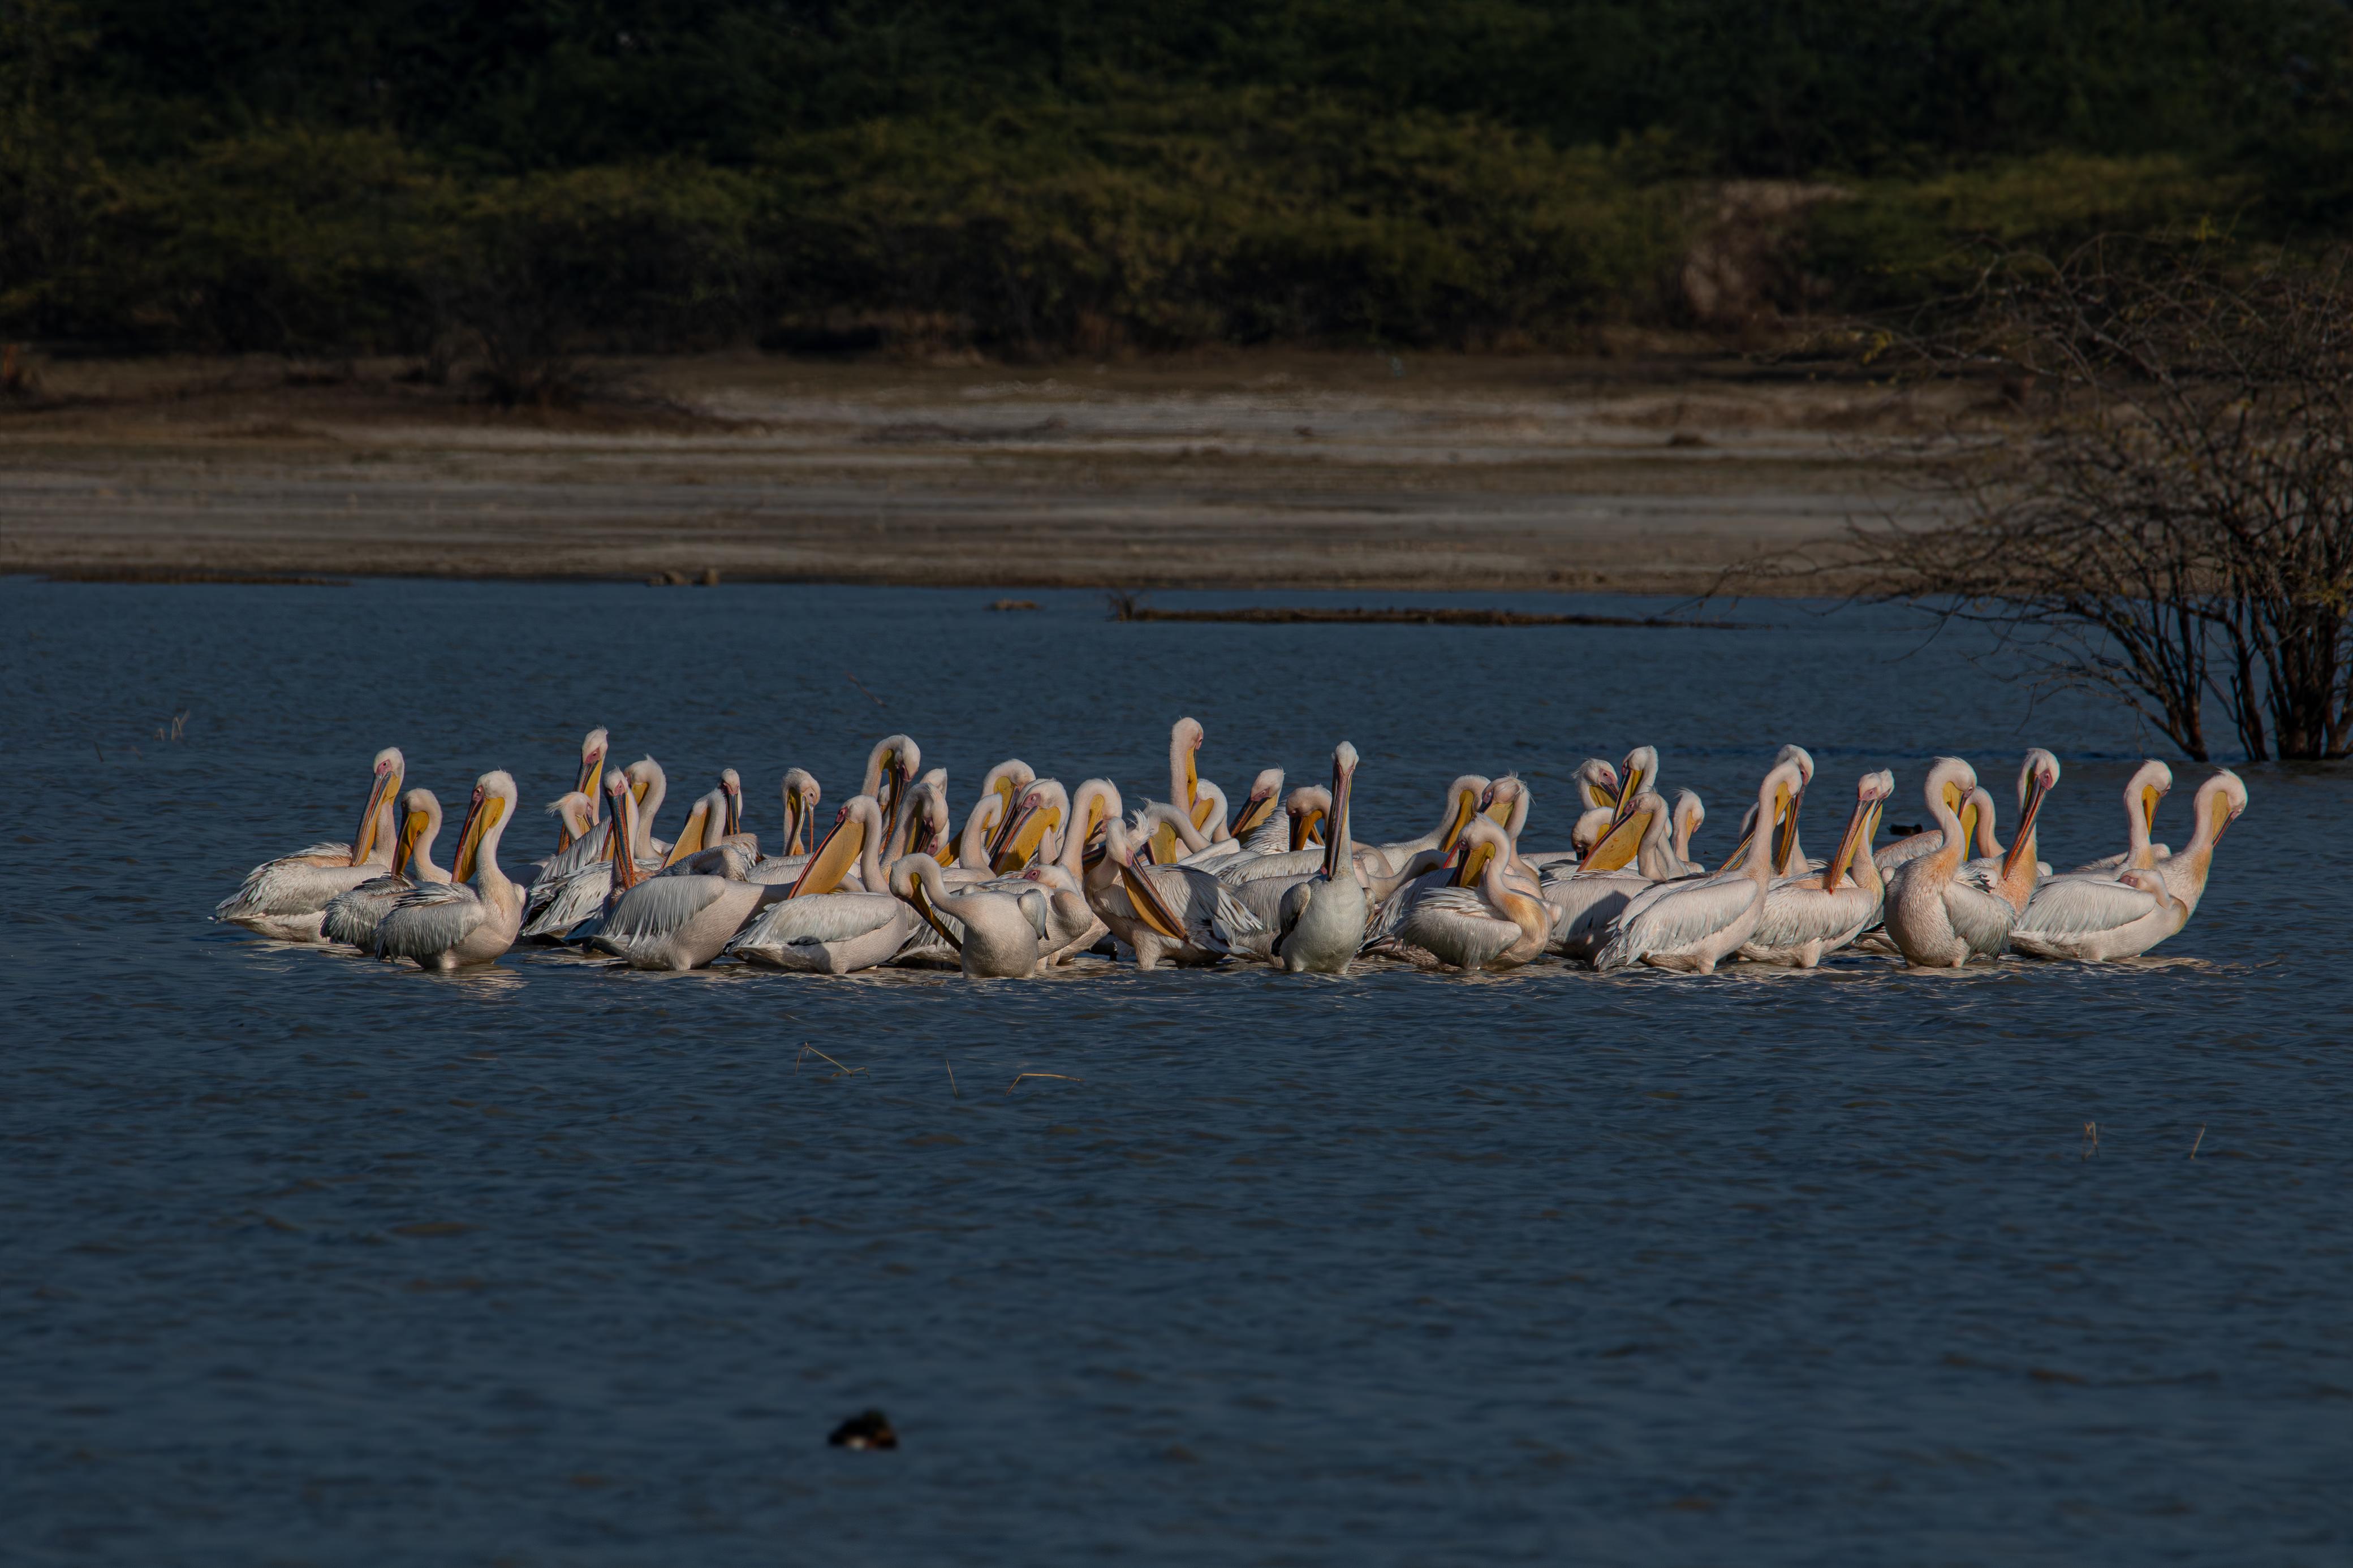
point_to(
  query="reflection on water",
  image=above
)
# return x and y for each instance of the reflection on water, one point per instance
(315, 1258)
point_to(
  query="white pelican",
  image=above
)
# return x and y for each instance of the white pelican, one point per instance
(557, 903)
(1690, 812)
(801, 797)
(924, 826)
(892, 769)
(1586, 895)
(683, 917)
(995, 934)
(2099, 919)
(1175, 914)
(1937, 917)
(2013, 872)
(1185, 739)
(593, 749)
(1073, 925)
(576, 832)
(2149, 784)
(1975, 808)
(1322, 919)
(819, 928)
(1487, 915)
(1598, 786)
(1005, 783)
(1694, 922)
(471, 919)
(1811, 913)
(352, 918)
(1462, 798)
(2219, 802)
(287, 898)
(1260, 826)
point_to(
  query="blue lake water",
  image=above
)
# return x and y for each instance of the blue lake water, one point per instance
(305, 1259)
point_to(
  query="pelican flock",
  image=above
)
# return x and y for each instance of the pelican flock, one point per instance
(1041, 873)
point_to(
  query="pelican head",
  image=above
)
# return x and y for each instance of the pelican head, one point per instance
(891, 768)
(1185, 738)
(420, 819)
(486, 814)
(594, 748)
(383, 790)
(730, 789)
(1041, 808)
(2036, 778)
(1265, 798)
(2149, 784)
(620, 844)
(858, 820)
(1597, 784)
(2221, 801)
(801, 796)
(1310, 806)
(1006, 780)
(1642, 771)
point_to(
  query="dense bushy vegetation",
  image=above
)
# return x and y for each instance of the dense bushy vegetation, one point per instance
(515, 182)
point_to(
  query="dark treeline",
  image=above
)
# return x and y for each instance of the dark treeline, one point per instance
(440, 177)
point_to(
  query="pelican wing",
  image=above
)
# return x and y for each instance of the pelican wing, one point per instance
(291, 886)
(1458, 925)
(1980, 916)
(1674, 915)
(352, 918)
(659, 906)
(428, 919)
(823, 918)
(2076, 906)
(1796, 912)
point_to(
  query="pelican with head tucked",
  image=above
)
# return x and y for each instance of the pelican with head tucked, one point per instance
(820, 926)
(352, 918)
(1692, 923)
(287, 898)
(2097, 918)
(994, 932)
(1488, 914)
(1172, 914)
(472, 918)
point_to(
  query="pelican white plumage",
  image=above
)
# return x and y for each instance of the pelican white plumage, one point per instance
(1690, 813)
(1692, 923)
(1809, 914)
(1185, 738)
(821, 928)
(473, 917)
(1167, 914)
(2148, 785)
(352, 918)
(1321, 922)
(558, 904)
(1073, 925)
(2095, 918)
(995, 934)
(1487, 915)
(684, 918)
(1259, 827)
(1935, 917)
(1622, 862)
(2219, 802)
(287, 898)
(1463, 797)
(594, 747)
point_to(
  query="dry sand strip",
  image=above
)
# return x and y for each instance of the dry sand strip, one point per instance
(1300, 473)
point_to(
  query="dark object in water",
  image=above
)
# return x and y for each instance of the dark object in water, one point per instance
(1013, 603)
(867, 1429)
(1901, 830)
(1125, 610)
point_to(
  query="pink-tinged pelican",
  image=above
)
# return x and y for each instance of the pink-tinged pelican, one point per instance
(2013, 872)
(559, 903)
(352, 918)
(1488, 915)
(1975, 808)
(1167, 914)
(1185, 738)
(1073, 925)
(892, 769)
(1809, 914)
(2219, 802)
(1694, 924)
(1260, 826)
(822, 928)
(1938, 916)
(801, 795)
(287, 898)
(995, 934)
(471, 919)
(2149, 784)
(2095, 918)
(1690, 813)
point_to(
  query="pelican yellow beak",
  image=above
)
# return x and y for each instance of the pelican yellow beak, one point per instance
(1785, 829)
(1149, 907)
(690, 837)
(412, 828)
(1626, 793)
(591, 767)
(1953, 796)
(2023, 844)
(1617, 847)
(1466, 807)
(1474, 865)
(386, 787)
(2149, 795)
(834, 858)
(922, 903)
(469, 836)
(1023, 848)
(1255, 811)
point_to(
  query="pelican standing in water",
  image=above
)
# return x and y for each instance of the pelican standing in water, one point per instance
(1489, 915)
(2097, 919)
(820, 927)
(996, 935)
(287, 898)
(1694, 924)
(473, 918)
(1322, 920)
(352, 918)
(1812, 913)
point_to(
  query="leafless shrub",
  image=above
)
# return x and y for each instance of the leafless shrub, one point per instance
(2174, 522)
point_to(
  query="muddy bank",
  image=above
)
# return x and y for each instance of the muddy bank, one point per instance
(1278, 470)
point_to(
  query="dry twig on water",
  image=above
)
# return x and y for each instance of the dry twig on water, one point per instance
(1019, 1075)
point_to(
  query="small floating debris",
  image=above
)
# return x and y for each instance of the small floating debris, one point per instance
(867, 1429)
(1013, 603)
(1123, 609)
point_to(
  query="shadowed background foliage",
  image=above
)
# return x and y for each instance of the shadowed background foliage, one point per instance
(520, 181)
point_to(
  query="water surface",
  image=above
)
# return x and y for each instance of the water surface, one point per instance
(307, 1259)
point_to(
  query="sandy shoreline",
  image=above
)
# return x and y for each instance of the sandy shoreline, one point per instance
(1273, 470)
